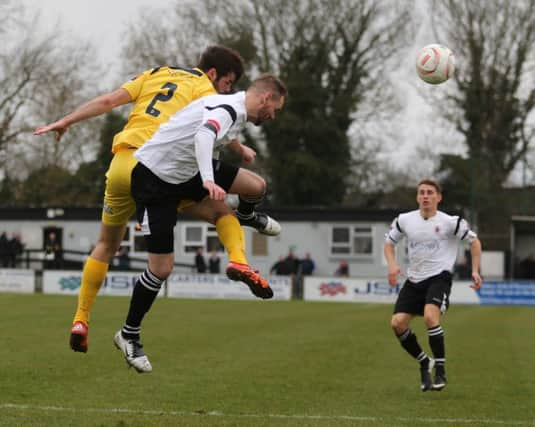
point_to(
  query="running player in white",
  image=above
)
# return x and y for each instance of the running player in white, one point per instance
(177, 164)
(433, 239)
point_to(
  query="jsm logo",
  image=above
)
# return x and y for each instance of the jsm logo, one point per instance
(377, 288)
(71, 283)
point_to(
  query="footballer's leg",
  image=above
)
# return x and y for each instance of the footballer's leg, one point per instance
(231, 235)
(437, 303)
(251, 189)
(118, 208)
(410, 301)
(93, 275)
(128, 338)
(157, 219)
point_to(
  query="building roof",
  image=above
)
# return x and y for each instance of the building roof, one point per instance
(322, 214)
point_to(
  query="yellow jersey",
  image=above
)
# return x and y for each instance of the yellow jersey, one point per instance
(157, 94)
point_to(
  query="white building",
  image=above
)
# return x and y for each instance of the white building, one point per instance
(329, 235)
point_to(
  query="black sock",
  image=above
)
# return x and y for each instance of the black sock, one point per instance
(246, 207)
(409, 342)
(144, 294)
(436, 342)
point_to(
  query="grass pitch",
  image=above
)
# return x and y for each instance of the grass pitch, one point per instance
(256, 363)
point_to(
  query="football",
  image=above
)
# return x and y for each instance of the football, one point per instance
(435, 63)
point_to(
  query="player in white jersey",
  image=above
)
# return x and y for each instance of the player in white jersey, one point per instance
(432, 239)
(177, 164)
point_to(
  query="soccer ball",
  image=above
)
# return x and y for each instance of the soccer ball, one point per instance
(435, 64)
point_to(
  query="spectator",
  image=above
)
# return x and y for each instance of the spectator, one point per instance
(307, 265)
(214, 263)
(4, 250)
(527, 267)
(16, 248)
(279, 267)
(200, 263)
(53, 252)
(342, 270)
(291, 262)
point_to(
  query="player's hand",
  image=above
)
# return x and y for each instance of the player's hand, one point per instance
(478, 281)
(248, 155)
(215, 191)
(58, 127)
(393, 273)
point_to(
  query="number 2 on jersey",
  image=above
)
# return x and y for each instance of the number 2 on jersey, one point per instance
(162, 97)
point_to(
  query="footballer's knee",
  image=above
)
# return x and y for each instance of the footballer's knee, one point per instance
(259, 185)
(399, 324)
(161, 265)
(104, 251)
(161, 271)
(250, 184)
(431, 315)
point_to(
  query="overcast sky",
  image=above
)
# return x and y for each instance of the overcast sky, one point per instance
(103, 21)
(100, 21)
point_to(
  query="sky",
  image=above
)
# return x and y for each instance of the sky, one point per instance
(103, 22)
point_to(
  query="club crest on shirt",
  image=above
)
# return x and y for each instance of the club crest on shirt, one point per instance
(437, 229)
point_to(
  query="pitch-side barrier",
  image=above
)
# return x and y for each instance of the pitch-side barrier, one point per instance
(218, 286)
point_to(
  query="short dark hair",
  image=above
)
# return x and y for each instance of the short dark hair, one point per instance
(269, 82)
(432, 183)
(224, 59)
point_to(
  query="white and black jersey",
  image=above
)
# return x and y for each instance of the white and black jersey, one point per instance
(432, 242)
(171, 153)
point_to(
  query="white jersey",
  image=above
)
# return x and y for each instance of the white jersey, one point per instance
(170, 153)
(432, 242)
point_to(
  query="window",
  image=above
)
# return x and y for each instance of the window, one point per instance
(348, 241)
(203, 236)
(259, 245)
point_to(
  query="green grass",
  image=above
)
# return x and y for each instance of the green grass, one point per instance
(254, 363)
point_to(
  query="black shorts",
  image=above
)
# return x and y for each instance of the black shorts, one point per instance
(157, 201)
(435, 290)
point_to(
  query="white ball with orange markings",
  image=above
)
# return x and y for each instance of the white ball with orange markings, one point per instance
(435, 63)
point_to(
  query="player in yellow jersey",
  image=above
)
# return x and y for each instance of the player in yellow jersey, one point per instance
(157, 94)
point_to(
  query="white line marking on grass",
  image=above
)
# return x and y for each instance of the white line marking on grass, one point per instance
(455, 421)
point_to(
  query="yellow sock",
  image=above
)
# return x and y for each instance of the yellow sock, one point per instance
(242, 234)
(231, 236)
(92, 278)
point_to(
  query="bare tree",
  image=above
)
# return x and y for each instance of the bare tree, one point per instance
(333, 54)
(168, 36)
(493, 106)
(41, 78)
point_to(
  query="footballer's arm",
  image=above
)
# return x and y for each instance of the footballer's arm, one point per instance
(97, 106)
(393, 268)
(204, 149)
(247, 154)
(475, 252)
